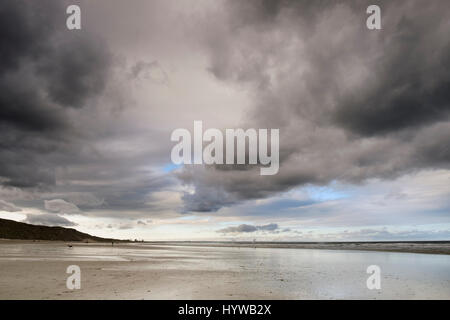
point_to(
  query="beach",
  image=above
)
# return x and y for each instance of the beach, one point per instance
(37, 270)
(433, 247)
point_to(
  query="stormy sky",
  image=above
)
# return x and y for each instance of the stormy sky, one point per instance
(364, 118)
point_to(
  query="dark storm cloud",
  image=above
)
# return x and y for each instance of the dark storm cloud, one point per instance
(45, 71)
(351, 103)
(205, 198)
(407, 85)
(22, 32)
(410, 87)
(52, 83)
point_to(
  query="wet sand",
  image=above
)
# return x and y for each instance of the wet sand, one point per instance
(37, 270)
(433, 247)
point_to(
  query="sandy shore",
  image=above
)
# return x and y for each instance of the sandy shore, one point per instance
(37, 270)
(110, 280)
(431, 247)
(125, 274)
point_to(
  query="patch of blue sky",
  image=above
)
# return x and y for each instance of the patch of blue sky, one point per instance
(283, 204)
(325, 193)
(171, 167)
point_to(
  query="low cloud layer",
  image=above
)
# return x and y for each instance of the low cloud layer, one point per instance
(246, 228)
(48, 220)
(61, 206)
(9, 207)
(380, 234)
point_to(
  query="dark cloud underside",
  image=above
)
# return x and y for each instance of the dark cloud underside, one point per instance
(45, 71)
(351, 103)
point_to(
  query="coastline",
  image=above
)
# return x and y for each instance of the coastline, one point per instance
(427, 247)
(424, 247)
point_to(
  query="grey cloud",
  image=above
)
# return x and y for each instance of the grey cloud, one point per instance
(48, 220)
(207, 199)
(7, 206)
(372, 104)
(57, 111)
(151, 71)
(81, 199)
(62, 137)
(408, 86)
(61, 206)
(385, 234)
(46, 71)
(239, 229)
(246, 228)
(269, 227)
(126, 225)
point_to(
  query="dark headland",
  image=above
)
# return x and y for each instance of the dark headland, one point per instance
(10, 229)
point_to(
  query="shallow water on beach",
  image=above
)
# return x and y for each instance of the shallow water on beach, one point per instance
(287, 273)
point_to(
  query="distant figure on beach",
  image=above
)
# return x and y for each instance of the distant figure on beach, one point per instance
(112, 243)
(69, 245)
